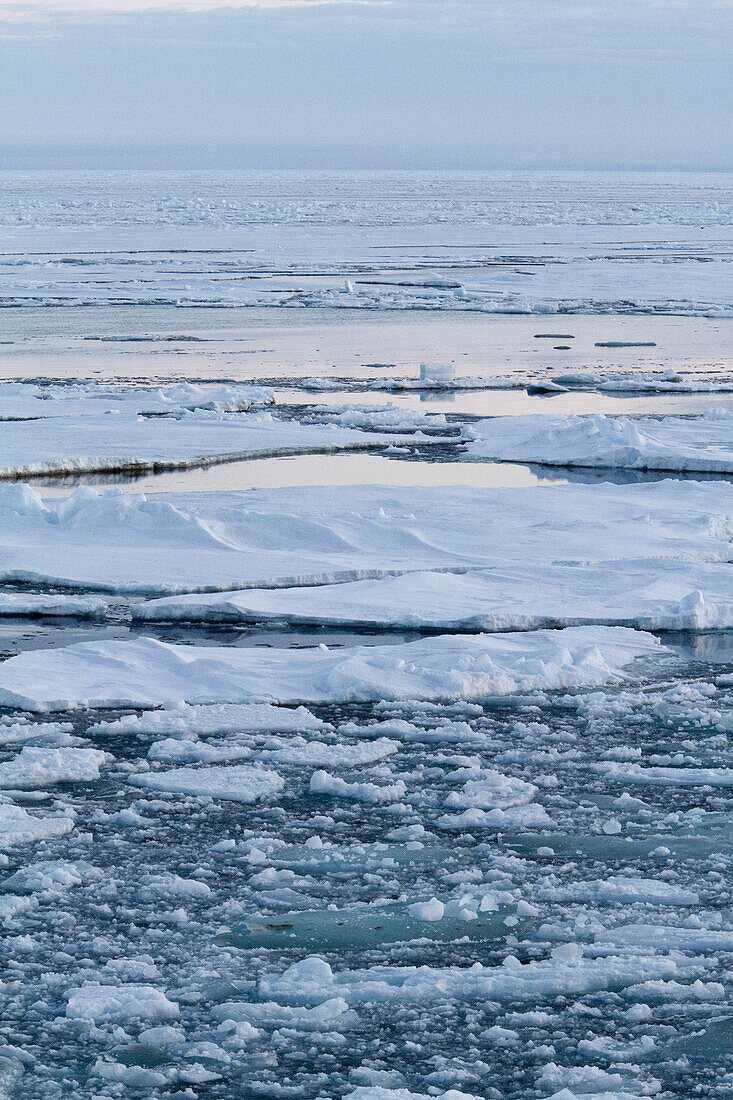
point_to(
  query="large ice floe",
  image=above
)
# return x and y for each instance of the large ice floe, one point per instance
(653, 594)
(125, 542)
(119, 440)
(148, 673)
(703, 443)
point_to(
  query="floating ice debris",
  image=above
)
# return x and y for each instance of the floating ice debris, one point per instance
(437, 372)
(35, 766)
(147, 673)
(119, 1004)
(238, 783)
(215, 718)
(11, 1071)
(17, 826)
(13, 904)
(570, 973)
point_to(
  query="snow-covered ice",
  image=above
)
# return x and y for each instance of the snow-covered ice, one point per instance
(148, 673)
(473, 866)
(238, 783)
(128, 442)
(35, 766)
(124, 542)
(702, 443)
(651, 594)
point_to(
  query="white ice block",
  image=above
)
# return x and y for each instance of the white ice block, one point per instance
(437, 372)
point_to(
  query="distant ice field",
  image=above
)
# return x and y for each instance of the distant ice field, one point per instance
(490, 242)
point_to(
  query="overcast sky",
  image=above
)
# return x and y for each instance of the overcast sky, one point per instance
(370, 83)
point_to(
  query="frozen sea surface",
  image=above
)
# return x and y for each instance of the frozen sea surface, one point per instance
(491, 242)
(363, 781)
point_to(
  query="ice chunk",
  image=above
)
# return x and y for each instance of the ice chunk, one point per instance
(312, 981)
(216, 718)
(238, 783)
(437, 372)
(119, 1003)
(323, 783)
(48, 876)
(331, 1015)
(17, 826)
(35, 766)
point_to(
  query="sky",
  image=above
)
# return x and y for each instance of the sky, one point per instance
(366, 83)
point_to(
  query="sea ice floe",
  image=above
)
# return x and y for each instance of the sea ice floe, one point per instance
(625, 890)
(215, 718)
(312, 981)
(124, 542)
(302, 752)
(667, 938)
(653, 594)
(119, 1003)
(17, 826)
(52, 606)
(664, 776)
(173, 750)
(147, 673)
(237, 783)
(368, 926)
(703, 443)
(128, 442)
(35, 766)
(378, 1092)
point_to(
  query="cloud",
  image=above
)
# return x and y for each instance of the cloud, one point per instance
(383, 82)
